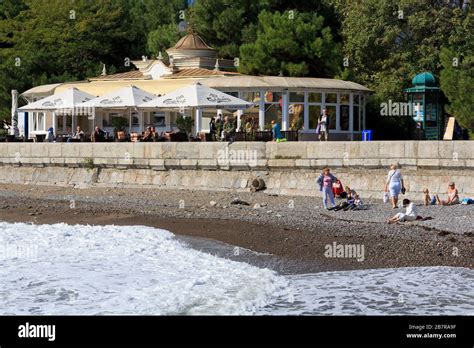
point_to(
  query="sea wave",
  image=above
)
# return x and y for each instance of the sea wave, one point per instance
(63, 269)
(86, 270)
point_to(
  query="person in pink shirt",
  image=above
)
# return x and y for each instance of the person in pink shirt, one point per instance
(325, 182)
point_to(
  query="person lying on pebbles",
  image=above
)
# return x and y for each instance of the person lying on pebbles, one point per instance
(410, 215)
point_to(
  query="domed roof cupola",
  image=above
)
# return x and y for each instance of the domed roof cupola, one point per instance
(424, 79)
(191, 46)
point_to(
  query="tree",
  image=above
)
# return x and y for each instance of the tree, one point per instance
(226, 24)
(296, 44)
(387, 43)
(457, 72)
(48, 41)
(162, 38)
(155, 23)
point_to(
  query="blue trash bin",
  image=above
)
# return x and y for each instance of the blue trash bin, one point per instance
(367, 135)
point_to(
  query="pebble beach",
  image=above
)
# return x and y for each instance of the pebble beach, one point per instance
(293, 229)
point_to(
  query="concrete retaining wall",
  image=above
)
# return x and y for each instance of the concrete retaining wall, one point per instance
(287, 168)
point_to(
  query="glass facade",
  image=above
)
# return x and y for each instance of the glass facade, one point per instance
(253, 97)
(332, 110)
(296, 116)
(314, 113)
(272, 113)
(344, 117)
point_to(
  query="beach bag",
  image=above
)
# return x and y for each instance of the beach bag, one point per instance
(385, 197)
(318, 129)
(467, 201)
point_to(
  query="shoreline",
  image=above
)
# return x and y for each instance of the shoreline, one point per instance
(297, 237)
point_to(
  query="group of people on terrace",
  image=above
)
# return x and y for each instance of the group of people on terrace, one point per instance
(99, 135)
(222, 129)
(331, 188)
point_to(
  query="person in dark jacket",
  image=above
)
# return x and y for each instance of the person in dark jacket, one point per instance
(50, 135)
(98, 135)
(213, 129)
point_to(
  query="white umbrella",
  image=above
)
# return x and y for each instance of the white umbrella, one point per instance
(130, 97)
(198, 97)
(127, 97)
(69, 102)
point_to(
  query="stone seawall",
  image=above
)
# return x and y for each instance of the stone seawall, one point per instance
(287, 168)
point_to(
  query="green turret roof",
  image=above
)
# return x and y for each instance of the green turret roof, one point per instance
(423, 82)
(424, 79)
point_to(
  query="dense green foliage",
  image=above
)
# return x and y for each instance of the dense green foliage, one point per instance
(380, 44)
(457, 73)
(295, 44)
(389, 42)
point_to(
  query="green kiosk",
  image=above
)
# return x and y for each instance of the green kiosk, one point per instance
(428, 107)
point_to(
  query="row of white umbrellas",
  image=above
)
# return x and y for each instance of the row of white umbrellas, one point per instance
(194, 96)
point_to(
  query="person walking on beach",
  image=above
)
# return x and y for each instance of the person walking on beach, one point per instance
(394, 184)
(411, 213)
(323, 125)
(325, 181)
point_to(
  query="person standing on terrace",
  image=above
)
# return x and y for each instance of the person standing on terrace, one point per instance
(323, 124)
(229, 129)
(212, 129)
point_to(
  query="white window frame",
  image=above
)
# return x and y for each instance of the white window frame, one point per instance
(34, 122)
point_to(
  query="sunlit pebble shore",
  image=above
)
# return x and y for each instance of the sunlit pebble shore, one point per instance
(286, 211)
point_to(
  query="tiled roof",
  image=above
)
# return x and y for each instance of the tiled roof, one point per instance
(192, 42)
(129, 75)
(199, 72)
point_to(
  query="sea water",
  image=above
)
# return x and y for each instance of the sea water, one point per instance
(62, 269)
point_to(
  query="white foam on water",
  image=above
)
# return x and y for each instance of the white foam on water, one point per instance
(391, 291)
(84, 270)
(61, 269)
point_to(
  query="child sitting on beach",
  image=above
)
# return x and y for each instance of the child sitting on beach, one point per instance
(350, 202)
(357, 203)
(411, 213)
(427, 198)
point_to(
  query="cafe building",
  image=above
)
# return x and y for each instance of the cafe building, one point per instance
(295, 102)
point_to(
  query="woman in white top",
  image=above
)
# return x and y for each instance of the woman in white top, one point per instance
(395, 184)
(410, 214)
(323, 124)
